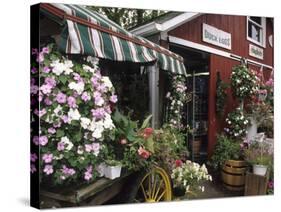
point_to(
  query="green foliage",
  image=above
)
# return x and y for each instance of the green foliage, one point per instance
(125, 127)
(169, 146)
(128, 18)
(129, 139)
(113, 163)
(225, 149)
(221, 95)
(259, 152)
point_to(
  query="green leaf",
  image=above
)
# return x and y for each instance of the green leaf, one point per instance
(117, 116)
(78, 136)
(59, 133)
(149, 145)
(146, 122)
(63, 79)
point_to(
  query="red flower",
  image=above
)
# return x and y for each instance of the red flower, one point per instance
(148, 131)
(143, 153)
(178, 163)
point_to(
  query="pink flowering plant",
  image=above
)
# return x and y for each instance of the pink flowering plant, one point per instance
(75, 116)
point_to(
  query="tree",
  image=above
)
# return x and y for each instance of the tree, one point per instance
(128, 18)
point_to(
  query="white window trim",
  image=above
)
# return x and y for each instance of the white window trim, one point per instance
(263, 26)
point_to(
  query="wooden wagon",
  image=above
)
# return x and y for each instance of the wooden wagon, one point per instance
(151, 186)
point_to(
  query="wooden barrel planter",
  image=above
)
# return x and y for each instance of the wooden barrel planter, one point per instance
(233, 174)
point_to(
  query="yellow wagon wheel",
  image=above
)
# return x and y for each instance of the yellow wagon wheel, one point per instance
(155, 186)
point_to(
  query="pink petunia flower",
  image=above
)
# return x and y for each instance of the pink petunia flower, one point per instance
(71, 101)
(47, 158)
(46, 88)
(61, 98)
(46, 69)
(43, 140)
(85, 96)
(52, 130)
(48, 169)
(60, 146)
(47, 101)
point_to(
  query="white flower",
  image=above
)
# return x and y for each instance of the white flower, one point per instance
(203, 188)
(58, 67)
(168, 95)
(68, 65)
(79, 87)
(85, 122)
(73, 114)
(107, 82)
(108, 123)
(93, 60)
(67, 142)
(97, 129)
(58, 157)
(80, 150)
(89, 69)
(58, 110)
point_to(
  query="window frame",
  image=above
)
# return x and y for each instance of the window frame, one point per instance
(263, 31)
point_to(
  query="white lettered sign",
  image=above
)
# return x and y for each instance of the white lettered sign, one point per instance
(216, 36)
(255, 51)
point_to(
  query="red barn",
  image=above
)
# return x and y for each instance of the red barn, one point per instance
(212, 44)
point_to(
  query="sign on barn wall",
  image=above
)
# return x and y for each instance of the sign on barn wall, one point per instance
(216, 36)
(255, 51)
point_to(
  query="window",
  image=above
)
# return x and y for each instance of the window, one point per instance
(256, 27)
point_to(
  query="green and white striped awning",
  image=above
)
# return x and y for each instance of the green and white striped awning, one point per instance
(90, 33)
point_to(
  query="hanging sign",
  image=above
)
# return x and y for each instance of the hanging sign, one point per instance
(255, 51)
(216, 36)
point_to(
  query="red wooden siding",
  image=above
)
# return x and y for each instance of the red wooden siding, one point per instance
(235, 25)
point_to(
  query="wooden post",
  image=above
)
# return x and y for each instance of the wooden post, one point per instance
(153, 71)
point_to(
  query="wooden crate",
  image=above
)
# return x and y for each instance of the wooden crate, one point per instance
(256, 184)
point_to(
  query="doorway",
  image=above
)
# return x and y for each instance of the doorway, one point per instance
(196, 112)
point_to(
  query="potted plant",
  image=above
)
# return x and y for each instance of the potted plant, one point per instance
(75, 117)
(112, 169)
(244, 82)
(227, 158)
(259, 153)
(189, 176)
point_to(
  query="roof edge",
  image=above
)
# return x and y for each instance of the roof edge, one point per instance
(154, 27)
